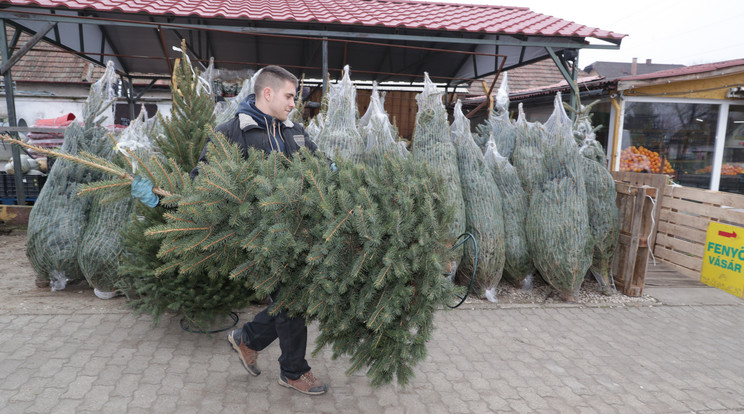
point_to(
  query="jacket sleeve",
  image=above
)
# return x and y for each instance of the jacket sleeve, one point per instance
(308, 141)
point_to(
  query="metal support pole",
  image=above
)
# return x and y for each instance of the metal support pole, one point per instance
(10, 102)
(130, 99)
(575, 88)
(325, 65)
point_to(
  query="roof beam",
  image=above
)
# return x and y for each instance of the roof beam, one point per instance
(26, 47)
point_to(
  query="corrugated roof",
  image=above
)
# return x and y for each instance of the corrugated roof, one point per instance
(688, 70)
(387, 13)
(614, 70)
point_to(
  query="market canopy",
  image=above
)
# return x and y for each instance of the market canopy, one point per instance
(382, 40)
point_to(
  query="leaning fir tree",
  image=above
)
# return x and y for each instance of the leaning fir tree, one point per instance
(145, 278)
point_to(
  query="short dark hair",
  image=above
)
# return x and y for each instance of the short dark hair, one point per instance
(274, 77)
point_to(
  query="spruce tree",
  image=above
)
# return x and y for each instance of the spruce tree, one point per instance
(360, 250)
(153, 286)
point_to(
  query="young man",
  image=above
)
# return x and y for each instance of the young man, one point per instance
(261, 122)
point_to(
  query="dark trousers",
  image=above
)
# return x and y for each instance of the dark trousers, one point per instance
(292, 334)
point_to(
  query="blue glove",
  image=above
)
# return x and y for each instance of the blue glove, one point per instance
(142, 190)
(333, 167)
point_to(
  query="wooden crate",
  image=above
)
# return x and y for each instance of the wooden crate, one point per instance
(635, 204)
(657, 181)
(683, 224)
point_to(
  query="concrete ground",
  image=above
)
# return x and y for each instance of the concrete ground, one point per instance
(68, 351)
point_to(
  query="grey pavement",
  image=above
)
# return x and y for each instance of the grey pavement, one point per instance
(68, 352)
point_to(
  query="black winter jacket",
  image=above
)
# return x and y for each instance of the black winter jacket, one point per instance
(243, 130)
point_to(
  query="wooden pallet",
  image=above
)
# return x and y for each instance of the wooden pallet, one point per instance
(635, 204)
(686, 213)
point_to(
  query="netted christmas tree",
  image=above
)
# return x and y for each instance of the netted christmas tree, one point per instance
(518, 267)
(483, 211)
(433, 145)
(58, 219)
(604, 216)
(557, 226)
(498, 126)
(339, 137)
(529, 153)
(379, 134)
(102, 244)
(225, 110)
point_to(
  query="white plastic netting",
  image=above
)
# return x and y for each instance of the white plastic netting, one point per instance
(433, 145)
(518, 262)
(378, 133)
(58, 218)
(484, 215)
(101, 244)
(604, 216)
(339, 136)
(498, 126)
(557, 226)
(225, 110)
(528, 153)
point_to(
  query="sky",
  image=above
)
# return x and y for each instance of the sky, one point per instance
(686, 32)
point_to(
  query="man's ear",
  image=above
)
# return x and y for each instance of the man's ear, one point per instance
(267, 92)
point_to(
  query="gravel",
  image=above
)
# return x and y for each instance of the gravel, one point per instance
(540, 293)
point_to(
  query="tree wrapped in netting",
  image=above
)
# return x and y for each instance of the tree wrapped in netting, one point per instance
(518, 267)
(604, 216)
(557, 226)
(529, 153)
(378, 133)
(225, 110)
(339, 136)
(484, 215)
(102, 243)
(315, 126)
(498, 126)
(57, 220)
(433, 145)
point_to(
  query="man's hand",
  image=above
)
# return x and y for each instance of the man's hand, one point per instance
(142, 190)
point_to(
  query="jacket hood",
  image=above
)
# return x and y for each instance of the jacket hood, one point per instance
(255, 115)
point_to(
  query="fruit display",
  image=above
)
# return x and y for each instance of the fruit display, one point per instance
(640, 159)
(726, 169)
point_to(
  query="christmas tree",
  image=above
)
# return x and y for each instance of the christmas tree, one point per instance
(360, 250)
(145, 278)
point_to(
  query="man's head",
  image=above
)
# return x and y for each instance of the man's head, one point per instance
(275, 91)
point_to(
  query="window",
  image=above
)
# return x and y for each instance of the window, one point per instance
(674, 138)
(732, 169)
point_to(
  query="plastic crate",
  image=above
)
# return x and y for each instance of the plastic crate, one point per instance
(32, 185)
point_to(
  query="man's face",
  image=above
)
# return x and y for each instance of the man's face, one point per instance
(280, 102)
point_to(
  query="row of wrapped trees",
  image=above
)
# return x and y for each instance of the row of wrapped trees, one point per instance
(361, 248)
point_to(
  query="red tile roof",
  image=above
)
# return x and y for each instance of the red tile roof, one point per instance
(528, 77)
(50, 64)
(388, 13)
(687, 70)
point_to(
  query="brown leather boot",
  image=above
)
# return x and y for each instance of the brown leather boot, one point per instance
(247, 355)
(306, 384)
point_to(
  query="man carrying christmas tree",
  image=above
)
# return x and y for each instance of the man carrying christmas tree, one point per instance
(261, 122)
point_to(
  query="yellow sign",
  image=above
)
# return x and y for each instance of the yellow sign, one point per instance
(723, 260)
